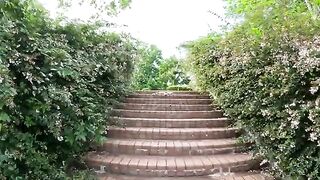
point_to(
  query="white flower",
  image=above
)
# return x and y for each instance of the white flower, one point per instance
(313, 136)
(313, 90)
(60, 138)
(295, 124)
(303, 52)
(292, 104)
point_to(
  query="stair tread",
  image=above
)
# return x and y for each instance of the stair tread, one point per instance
(185, 119)
(197, 144)
(217, 142)
(174, 92)
(168, 95)
(161, 99)
(128, 103)
(167, 101)
(171, 165)
(152, 111)
(183, 107)
(218, 160)
(230, 176)
(170, 129)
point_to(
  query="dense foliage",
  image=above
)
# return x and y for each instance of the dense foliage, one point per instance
(265, 74)
(155, 72)
(147, 70)
(172, 73)
(56, 87)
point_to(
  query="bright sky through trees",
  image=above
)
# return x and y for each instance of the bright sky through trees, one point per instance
(165, 23)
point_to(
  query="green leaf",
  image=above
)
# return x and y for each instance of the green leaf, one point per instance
(4, 117)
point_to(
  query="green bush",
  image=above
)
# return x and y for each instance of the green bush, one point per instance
(57, 84)
(265, 74)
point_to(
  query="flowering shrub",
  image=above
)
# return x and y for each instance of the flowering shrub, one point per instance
(265, 74)
(57, 84)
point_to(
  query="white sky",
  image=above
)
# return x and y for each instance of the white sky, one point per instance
(164, 23)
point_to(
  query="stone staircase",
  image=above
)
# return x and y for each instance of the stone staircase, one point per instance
(176, 134)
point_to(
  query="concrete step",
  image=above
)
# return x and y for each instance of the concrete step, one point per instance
(172, 123)
(172, 133)
(170, 96)
(170, 147)
(167, 114)
(165, 107)
(167, 101)
(221, 176)
(171, 166)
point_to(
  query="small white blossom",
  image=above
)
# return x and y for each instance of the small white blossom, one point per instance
(313, 90)
(313, 136)
(303, 52)
(295, 123)
(292, 104)
(60, 138)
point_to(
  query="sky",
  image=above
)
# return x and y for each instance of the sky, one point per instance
(164, 23)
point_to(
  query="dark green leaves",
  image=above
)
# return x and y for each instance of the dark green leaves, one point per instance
(265, 74)
(57, 84)
(155, 72)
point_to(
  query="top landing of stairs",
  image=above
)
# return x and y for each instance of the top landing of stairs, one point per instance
(165, 92)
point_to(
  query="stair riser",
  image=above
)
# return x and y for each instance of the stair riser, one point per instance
(172, 135)
(172, 96)
(167, 101)
(174, 124)
(168, 114)
(165, 151)
(164, 170)
(165, 107)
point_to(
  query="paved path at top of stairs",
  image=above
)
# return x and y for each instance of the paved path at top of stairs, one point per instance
(169, 135)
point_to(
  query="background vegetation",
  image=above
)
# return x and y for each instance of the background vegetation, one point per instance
(264, 72)
(154, 72)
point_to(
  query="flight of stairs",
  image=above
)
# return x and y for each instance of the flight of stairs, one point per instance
(171, 134)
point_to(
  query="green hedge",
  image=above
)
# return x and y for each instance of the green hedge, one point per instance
(57, 84)
(265, 74)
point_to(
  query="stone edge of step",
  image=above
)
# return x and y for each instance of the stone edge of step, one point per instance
(153, 111)
(254, 175)
(171, 165)
(173, 133)
(171, 147)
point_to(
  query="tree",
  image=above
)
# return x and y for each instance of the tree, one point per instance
(154, 72)
(171, 73)
(147, 68)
